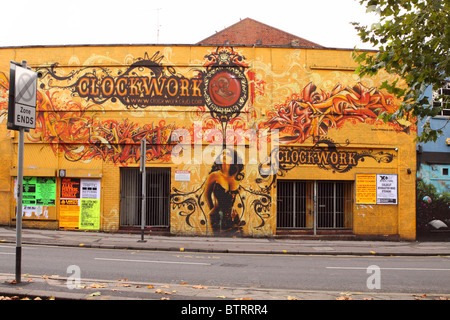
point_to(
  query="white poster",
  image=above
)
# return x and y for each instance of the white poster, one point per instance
(90, 189)
(387, 189)
(182, 175)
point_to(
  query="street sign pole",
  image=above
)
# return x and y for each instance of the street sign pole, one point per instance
(19, 200)
(19, 207)
(21, 117)
(144, 191)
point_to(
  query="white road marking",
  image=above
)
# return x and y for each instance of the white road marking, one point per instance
(402, 269)
(152, 261)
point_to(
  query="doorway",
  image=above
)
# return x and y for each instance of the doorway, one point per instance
(157, 197)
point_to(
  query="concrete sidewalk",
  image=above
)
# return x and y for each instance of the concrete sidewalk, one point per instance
(224, 245)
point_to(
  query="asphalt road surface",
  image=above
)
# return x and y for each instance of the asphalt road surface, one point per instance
(337, 273)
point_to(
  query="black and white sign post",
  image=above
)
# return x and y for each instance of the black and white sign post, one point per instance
(21, 117)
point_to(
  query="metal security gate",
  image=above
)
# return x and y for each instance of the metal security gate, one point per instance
(292, 208)
(157, 199)
(314, 204)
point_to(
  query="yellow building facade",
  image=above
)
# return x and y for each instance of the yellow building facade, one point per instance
(240, 141)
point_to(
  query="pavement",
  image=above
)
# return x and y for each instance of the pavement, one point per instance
(46, 286)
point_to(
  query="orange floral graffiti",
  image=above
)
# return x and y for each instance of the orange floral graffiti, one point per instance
(312, 112)
(69, 129)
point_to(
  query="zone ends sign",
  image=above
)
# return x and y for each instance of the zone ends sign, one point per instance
(22, 97)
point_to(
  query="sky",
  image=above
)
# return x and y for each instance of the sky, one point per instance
(79, 22)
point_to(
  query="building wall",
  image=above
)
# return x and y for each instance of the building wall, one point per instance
(433, 181)
(95, 104)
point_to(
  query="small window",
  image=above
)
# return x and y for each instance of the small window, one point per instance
(441, 99)
(445, 171)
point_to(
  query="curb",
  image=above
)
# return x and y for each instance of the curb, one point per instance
(236, 251)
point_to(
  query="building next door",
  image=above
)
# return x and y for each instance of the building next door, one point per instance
(314, 205)
(157, 197)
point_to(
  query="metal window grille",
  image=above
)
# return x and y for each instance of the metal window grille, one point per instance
(296, 208)
(157, 199)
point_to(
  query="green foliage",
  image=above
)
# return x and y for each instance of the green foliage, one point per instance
(412, 38)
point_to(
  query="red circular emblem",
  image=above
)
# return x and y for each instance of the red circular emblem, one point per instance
(224, 89)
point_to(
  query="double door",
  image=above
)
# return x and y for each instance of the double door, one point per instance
(303, 204)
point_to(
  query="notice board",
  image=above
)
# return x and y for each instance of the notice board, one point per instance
(80, 203)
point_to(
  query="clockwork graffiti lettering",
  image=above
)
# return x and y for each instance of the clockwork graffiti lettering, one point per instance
(146, 82)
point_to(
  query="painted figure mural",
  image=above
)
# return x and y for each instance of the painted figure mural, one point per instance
(222, 191)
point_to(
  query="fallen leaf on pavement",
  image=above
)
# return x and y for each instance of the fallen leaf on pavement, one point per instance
(344, 298)
(95, 294)
(199, 287)
(291, 298)
(150, 286)
(161, 291)
(98, 285)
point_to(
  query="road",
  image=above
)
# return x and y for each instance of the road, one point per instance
(334, 273)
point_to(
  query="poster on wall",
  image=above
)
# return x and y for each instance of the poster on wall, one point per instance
(387, 189)
(90, 188)
(89, 214)
(69, 213)
(366, 189)
(80, 204)
(89, 204)
(376, 189)
(69, 203)
(38, 194)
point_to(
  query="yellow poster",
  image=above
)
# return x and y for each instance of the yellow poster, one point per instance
(366, 188)
(89, 214)
(69, 211)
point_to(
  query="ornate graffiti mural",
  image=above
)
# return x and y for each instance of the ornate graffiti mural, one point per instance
(223, 204)
(144, 83)
(80, 135)
(226, 86)
(95, 108)
(327, 155)
(313, 112)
